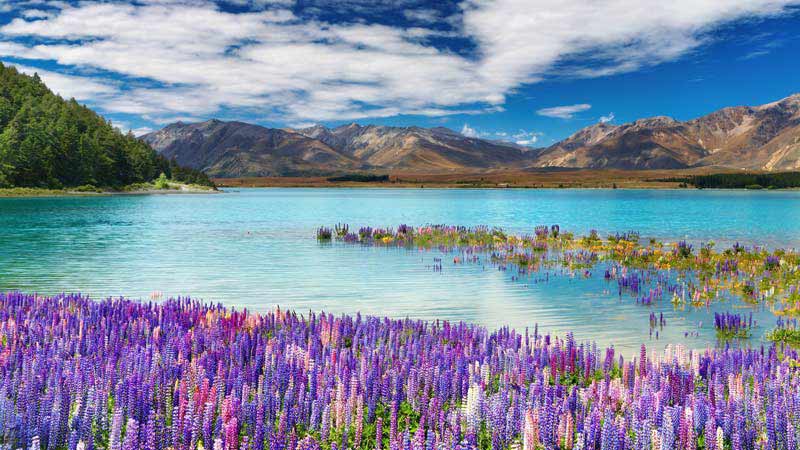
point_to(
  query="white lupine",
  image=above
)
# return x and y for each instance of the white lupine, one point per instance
(485, 373)
(530, 435)
(472, 408)
(579, 441)
(720, 439)
(655, 439)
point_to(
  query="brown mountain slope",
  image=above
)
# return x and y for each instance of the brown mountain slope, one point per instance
(239, 149)
(764, 137)
(235, 149)
(416, 148)
(655, 143)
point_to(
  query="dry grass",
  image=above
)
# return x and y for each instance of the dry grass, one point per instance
(608, 179)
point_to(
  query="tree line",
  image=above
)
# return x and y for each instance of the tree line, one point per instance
(49, 142)
(773, 180)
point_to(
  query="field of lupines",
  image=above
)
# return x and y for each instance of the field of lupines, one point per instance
(650, 271)
(119, 374)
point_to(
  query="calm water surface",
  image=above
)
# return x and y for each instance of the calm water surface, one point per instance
(255, 248)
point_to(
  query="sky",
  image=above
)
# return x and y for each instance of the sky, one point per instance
(526, 71)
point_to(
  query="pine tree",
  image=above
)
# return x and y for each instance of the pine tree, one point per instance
(46, 141)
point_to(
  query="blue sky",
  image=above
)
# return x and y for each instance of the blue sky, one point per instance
(528, 71)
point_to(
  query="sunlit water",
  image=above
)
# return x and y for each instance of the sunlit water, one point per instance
(255, 248)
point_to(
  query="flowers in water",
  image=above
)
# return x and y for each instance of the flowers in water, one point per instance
(342, 230)
(683, 249)
(324, 234)
(730, 325)
(786, 332)
(649, 271)
(118, 374)
(657, 323)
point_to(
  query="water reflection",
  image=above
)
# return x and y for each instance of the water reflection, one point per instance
(256, 249)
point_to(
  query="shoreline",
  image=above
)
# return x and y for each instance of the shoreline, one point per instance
(23, 192)
(494, 179)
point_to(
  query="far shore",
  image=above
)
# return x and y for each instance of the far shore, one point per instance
(499, 179)
(141, 189)
(493, 179)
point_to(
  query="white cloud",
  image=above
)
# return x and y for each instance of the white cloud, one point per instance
(69, 86)
(606, 119)
(527, 138)
(191, 58)
(125, 127)
(141, 131)
(121, 126)
(468, 131)
(36, 14)
(520, 137)
(563, 112)
(422, 15)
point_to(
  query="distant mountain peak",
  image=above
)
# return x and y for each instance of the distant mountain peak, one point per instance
(656, 121)
(445, 130)
(792, 102)
(233, 149)
(761, 137)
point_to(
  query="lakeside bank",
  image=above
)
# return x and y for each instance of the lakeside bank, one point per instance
(138, 189)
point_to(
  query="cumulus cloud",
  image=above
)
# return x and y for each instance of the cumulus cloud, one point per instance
(606, 119)
(519, 137)
(36, 14)
(468, 131)
(69, 86)
(563, 112)
(190, 57)
(527, 138)
(141, 131)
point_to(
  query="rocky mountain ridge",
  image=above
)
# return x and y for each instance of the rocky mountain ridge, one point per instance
(765, 137)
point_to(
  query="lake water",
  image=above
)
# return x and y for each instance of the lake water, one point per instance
(255, 248)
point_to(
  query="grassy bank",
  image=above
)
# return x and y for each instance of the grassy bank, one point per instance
(139, 188)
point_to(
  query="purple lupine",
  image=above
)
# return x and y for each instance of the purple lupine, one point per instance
(169, 375)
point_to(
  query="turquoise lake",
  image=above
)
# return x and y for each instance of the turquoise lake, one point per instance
(255, 248)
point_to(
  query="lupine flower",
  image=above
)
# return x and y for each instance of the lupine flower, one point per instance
(646, 271)
(84, 374)
(730, 325)
(772, 262)
(324, 234)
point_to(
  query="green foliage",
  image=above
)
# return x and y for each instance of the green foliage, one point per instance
(360, 178)
(728, 335)
(49, 142)
(788, 336)
(777, 180)
(162, 182)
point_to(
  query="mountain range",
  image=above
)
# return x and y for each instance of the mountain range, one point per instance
(765, 137)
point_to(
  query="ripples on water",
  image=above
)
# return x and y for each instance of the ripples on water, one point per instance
(256, 249)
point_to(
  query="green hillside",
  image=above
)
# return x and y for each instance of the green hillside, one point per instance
(49, 142)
